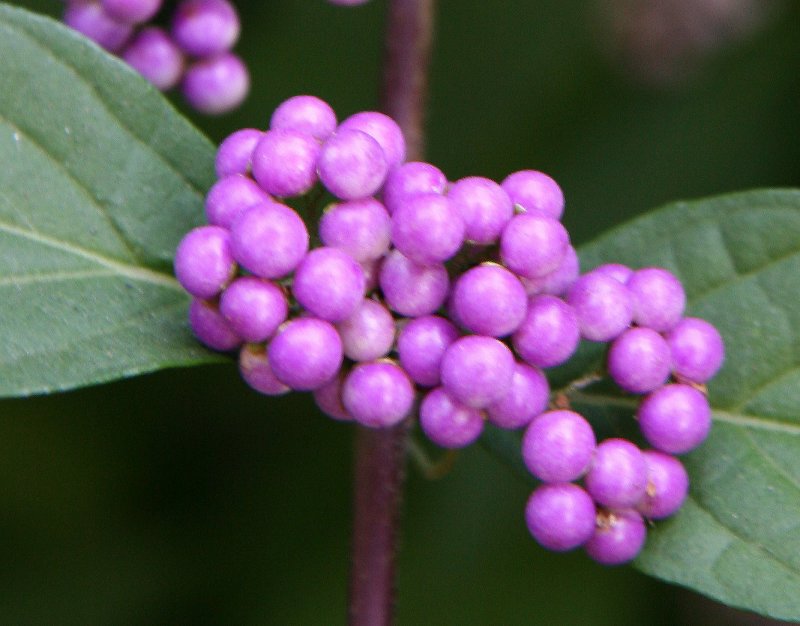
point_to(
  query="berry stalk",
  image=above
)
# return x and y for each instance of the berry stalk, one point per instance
(380, 455)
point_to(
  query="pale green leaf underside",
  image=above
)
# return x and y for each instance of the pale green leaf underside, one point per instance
(738, 537)
(99, 179)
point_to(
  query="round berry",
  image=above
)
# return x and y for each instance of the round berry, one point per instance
(617, 271)
(658, 298)
(477, 370)
(427, 229)
(254, 308)
(203, 28)
(269, 240)
(447, 422)
(256, 371)
(361, 228)
(489, 300)
(329, 399)
(217, 84)
(421, 344)
(329, 283)
(235, 153)
(604, 306)
(91, 20)
(675, 418)
(378, 395)
(412, 289)
(204, 262)
(639, 360)
(306, 114)
(484, 207)
(618, 476)
(131, 11)
(411, 179)
(285, 162)
(535, 191)
(306, 353)
(210, 327)
(558, 446)
(352, 165)
(156, 57)
(618, 537)
(557, 282)
(549, 334)
(368, 334)
(230, 196)
(526, 399)
(667, 485)
(560, 516)
(382, 129)
(697, 350)
(533, 244)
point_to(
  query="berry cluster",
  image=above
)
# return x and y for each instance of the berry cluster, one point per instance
(455, 294)
(195, 53)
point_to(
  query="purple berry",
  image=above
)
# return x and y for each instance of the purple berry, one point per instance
(697, 350)
(210, 327)
(306, 353)
(329, 283)
(90, 19)
(604, 306)
(382, 129)
(489, 300)
(549, 333)
(667, 485)
(204, 28)
(617, 271)
(256, 371)
(558, 446)
(411, 179)
(658, 298)
(359, 227)
(421, 344)
(535, 191)
(639, 360)
(560, 516)
(477, 370)
(215, 85)
(412, 289)
(351, 165)
(427, 229)
(447, 422)
(533, 244)
(526, 399)
(484, 207)
(618, 537)
(285, 162)
(618, 476)
(230, 196)
(204, 263)
(557, 282)
(675, 418)
(131, 11)
(235, 153)
(306, 114)
(156, 57)
(269, 240)
(329, 399)
(368, 334)
(254, 308)
(378, 395)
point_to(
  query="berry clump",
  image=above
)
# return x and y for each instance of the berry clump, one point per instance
(408, 293)
(194, 53)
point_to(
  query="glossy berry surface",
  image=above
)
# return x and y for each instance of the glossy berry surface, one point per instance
(368, 333)
(421, 344)
(618, 537)
(427, 229)
(411, 179)
(235, 153)
(306, 114)
(658, 298)
(230, 196)
(131, 11)
(155, 56)
(253, 307)
(305, 353)
(447, 422)
(697, 350)
(532, 190)
(383, 129)
(618, 476)
(533, 244)
(604, 306)
(558, 446)
(362, 228)
(477, 370)
(257, 373)
(483, 206)
(675, 418)
(527, 398)
(412, 289)
(489, 300)
(329, 283)
(560, 516)
(378, 394)
(667, 485)
(352, 165)
(90, 19)
(285, 162)
(210, 327)
(203, 28)
(639, 360)
(204, 261)
(217, 84)
(549, 333)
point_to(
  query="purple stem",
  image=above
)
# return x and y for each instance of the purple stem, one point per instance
(380, 455)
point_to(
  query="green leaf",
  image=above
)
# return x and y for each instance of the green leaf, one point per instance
(737, 539)
(99, 179)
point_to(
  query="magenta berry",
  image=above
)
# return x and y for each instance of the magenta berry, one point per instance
(697, 350)
(617, 271)
(305, 353)
(560, 516)
(230, 196)
(204, 262)
(557, 282)
(306, 114)
(285, 162)
(411, 179)
(210, 327)
(352, 165)
(421, 344)
(235, 153)
(618, 476)
(658, 298)
(362, 228)
(156, 57)
(675, 418)
(526, 399)
(667, 485)
(549, 334)
(215, 85)
(204, 28)
(383, 129)
(378, 394)
(254, 308)
(131, 11)
(639, 360)
(604, 306)
(477, 370)
(90, 19)
(484, 207)
(329, 283)
(489, 300)
(427, 229)
(618, 537)
(412, 289)
(368, 334)
(447, 422)
(533, 244)
(329, 399)
(558, 446)
(257, 373)
(531, 190)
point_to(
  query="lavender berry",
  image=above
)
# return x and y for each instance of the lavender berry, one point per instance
(131, 11)
(328, 398)
(257, 373)
(352, 165)
(378, 394)
(531, 190)
(230, 196)
(285, 162)
(203, 28)
(329, 283)
(558, 446)
(90, 19)
(549, 334)
(675, 418)
(215, 85)
(235, 153)
(560, 516)
(533, 244)
(526, 399)
(254, 308)
(421, 344)
(427, 229)
(305, 353)
(411, 179)
(210, 327)
(447, 422)
(306, 114)
(155, 56)
(697, 350)
(483, 205)
(667, 485)
(639, 360)
(489, 300)
(204, 261)
(658, 298)
(477, 370)
(618, 476)
(362, 228)
(618, 537)
(383, 129)
(557, 282)
(368, 334)
(604, 306)
(412, 289)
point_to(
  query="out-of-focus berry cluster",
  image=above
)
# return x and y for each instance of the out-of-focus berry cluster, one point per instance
(412, 293)
(194, 54)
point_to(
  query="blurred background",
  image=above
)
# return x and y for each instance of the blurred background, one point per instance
(184, 497)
